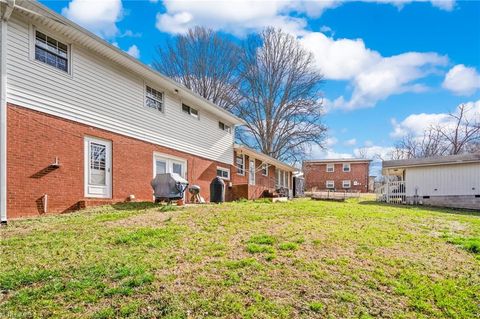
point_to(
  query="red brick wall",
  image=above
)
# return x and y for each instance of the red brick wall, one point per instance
(35, 139)
(316, 176)
(241, 189)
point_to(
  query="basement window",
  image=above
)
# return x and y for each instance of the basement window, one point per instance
(189, 110)
(223, 172)
(51, 52)
(153, 99)
(224, 127)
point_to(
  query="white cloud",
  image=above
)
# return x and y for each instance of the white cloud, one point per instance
(416, 124)
(134, 51)
(242, 16)
(350, 142)
(99, 17)
(374, 77)
(462, 80)
(237, 16)
(373, 152)
(330, 141)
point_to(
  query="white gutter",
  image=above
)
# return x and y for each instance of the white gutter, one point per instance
(6, 12)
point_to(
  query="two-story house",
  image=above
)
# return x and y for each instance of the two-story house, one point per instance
(83, 123)
(349, 175)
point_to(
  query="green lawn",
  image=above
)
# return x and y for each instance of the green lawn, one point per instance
(305, 259)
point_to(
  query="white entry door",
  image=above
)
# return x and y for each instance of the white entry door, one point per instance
(251, 172)
(164, 164)
(98, 168)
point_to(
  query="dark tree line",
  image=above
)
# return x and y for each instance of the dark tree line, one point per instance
(269, 80)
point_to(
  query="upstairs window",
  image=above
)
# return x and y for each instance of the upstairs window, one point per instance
(330, 168)
(154, 99)
(346, 167)
(189, 110)
(223, 172)
(224, 127)
(51, 52)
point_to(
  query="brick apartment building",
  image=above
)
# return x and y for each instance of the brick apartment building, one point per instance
(337, 174)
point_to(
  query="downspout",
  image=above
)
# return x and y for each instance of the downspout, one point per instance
(6, 12)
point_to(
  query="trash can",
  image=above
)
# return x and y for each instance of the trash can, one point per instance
(217, 190)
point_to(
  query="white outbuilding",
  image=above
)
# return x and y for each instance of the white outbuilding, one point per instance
(448, 181)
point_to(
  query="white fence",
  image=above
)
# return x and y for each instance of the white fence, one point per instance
(392, 192)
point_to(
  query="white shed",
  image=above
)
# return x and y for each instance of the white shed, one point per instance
(450, 181)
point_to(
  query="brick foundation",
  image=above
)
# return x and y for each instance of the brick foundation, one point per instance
(35, 139)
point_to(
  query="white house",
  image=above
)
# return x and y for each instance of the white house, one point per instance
(449, 181)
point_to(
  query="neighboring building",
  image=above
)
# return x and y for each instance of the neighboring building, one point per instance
(83, 123)
(255, 175)
(349, 175)
(449, 181)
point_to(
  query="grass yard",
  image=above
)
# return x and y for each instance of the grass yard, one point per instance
(302, 259)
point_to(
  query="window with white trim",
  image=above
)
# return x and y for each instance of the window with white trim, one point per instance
(330, 184)
(346, 167)
(153, 99)
(224, 127)
(240, 163)
(330, 168)
(189, 110)
(265, 169)
(51, 52)
(223, 172)
(346, 184)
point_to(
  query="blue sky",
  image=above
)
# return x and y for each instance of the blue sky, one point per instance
(391, 67)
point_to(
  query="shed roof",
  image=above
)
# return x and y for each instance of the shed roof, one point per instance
(437, 160)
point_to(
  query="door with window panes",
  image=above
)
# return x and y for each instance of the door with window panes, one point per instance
(98, 168)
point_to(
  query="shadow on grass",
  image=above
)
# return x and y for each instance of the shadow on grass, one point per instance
(129, 206)
(455, 211)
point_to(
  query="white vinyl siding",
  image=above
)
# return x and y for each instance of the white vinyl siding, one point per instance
(101, 94)
(444, 180)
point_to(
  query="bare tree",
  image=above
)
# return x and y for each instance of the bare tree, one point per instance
(282, 103)
(204, 62)
(463, 133)
(431, 143)
(460, 134)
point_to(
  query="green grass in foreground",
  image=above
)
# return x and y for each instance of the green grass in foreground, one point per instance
(304, 259)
